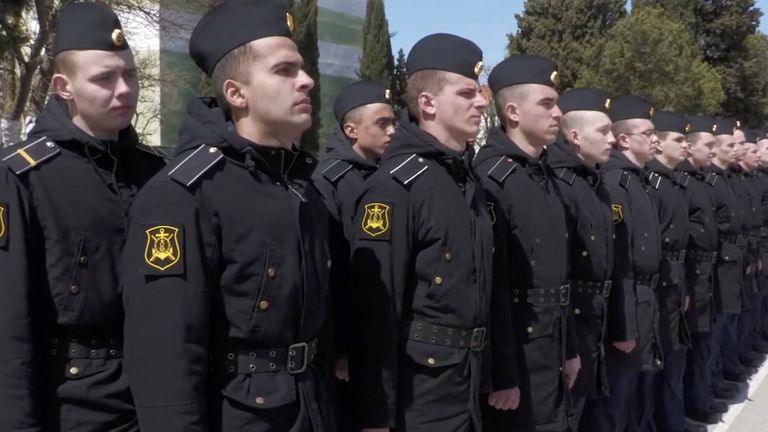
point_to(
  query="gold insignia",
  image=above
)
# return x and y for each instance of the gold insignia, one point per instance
(289, 21)
(554, 78)
(688, 128)
(492, 211)
(117, 37)
(376, 219)
(652, 112)
(388, 94)
(162, 251)
(608, 104)
(618, 214)
(738, 125)
(2, 222)
(714, 128)
(479, 68)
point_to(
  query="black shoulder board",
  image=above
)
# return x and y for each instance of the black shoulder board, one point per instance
(682, 179)
(502, 169)
(30, 155)
(195, 165)
(153, 150)
(336, 170)
(411, 168)
(711, 179)
(566, 174)
(624, 179)
(654, 179)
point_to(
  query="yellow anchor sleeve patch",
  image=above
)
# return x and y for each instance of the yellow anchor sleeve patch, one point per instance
(375, 223)
(164, 251)
(618, 213)
(3, 224)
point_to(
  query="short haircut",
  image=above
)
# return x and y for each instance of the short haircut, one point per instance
(694, 137)
(427, 80)
(623, 127)
(353, 115)
(234, 66)
(514, 93)
(662, 135)
(64, 62)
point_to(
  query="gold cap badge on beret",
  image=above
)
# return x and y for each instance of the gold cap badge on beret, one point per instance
(117, 37)
(608, 104)
(652, 112)
(388, 94)
(714, 128)
(554, 77)
(478, 68)
(688, 128)
(289, 21)
(738, 125)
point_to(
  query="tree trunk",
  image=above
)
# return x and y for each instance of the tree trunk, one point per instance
(10, 131)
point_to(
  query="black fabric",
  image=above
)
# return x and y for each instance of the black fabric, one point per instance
(523, 69)
(701, 124)
(584, 99)
(630, 107)
(358, 94)
(445, 52)
(670, 121)
(724, 126)
(88, 26)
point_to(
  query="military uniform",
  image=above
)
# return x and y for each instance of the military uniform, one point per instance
(422, 264)
(227, 263)
(64, 202)
(522, 188)
(633, 308)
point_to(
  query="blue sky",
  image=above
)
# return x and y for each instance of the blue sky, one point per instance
(486, 22)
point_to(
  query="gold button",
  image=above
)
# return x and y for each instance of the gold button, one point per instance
(431, 361)
(271, 272)
(259, 400)
(438, 280)
(584, 253)
(510, 160)
(529, 329)
(448, 256)
(74, 289)
(591, 237)
(263, 305)
(74, 370)
(577, 311)
(83, 260)
(666, 239)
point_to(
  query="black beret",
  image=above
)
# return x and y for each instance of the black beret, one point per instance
(235, 23)
(760, 134)
(630, 107)
(523, 69)
(750, 135)
(724, 126)
(584, 99)
(445, 52)
(358, 94)
(701, 124)
(670, 121)
(88, 26)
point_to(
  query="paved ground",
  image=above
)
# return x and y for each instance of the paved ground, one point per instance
(751, 413)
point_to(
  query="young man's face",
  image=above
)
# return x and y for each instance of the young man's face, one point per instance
(673, 147)
(592, 135)
(102, 88)
(762, 152)
(459, 106)
(725, 150)
(751, 157)
(538, 114)
(702, 150)
(370, 128)
(739, 141)
(277, 92)
(641, 143)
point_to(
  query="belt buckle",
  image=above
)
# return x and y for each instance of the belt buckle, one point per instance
(607, 288)
(565, 294)
(292, 352)
(477, 342)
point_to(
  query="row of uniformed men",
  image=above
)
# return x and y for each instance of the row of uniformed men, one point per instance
(449, 276)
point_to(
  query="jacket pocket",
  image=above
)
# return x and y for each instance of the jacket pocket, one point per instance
(263, 390)
(434, 355)
(270, 279)
(540, 320)
(71, 297)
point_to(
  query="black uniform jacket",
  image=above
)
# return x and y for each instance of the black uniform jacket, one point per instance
(64, 202)
(666, 187)
(749, 196)
(423, 253)
(633, 307)
(762, 180)
(340, 176)
(588, 210)
(701, 248)
(730, 257)
(226, 280)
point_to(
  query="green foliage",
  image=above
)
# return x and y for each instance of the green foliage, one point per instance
(746, 83)
(305, 35)
(400, 81)
(650, 54)
(376, 63)
(722, 27)
(562, 29)
(681, 10)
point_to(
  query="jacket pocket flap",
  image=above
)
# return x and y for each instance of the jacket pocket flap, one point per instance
(434, 355)
(263, 390)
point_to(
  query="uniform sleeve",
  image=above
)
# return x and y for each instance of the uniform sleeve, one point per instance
(167, 276)
(379, 269)
(571, 337)
(16, 322)
(622, 311)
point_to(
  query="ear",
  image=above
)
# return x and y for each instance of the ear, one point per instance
(622, 140)
(574, 137)
(427, 103)
(350, 130)
(233, 93)
(512, 112)
(61, 86)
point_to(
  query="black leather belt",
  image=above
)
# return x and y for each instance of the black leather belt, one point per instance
(545, 296)
(472, 339)
(294, 359)
(702, 256)
(601, 288)
(88, 348)
(647, 280)
(674, 256)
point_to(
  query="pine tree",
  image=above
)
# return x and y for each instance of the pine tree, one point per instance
(376, 63)
(305, 35)
(562, 29)
(682, 10)
(400, 81)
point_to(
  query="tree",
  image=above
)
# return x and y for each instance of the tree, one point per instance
(650, 54)
(681, 10)
(305, 35)
(746, 83)
(376, 63)
(400, 82)
(561, 29)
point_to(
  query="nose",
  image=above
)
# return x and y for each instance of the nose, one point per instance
(557, 113)
(306, 83)
(480, 101)
(390, 130)
(611, 139)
